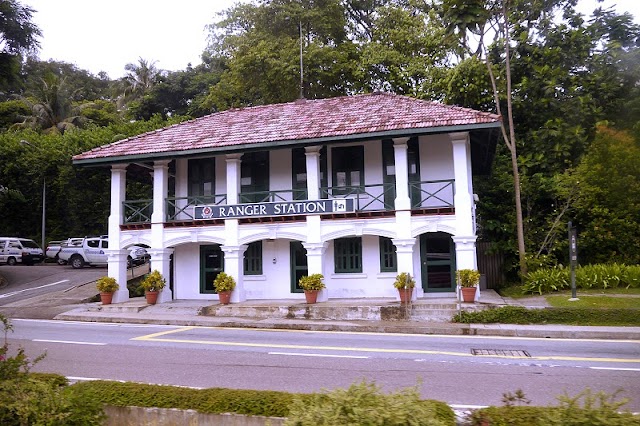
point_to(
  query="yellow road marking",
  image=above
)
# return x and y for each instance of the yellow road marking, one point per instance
(414, 335)
(156, 337)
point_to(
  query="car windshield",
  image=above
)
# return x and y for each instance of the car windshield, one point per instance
(29, 243)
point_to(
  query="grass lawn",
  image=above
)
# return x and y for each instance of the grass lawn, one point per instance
(608, 301)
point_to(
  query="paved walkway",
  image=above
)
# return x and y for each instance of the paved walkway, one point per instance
(299, 315)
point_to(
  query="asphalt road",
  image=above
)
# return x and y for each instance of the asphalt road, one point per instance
(39, 291)
(444, 367)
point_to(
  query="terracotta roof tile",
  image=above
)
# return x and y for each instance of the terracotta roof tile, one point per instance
(298, 120)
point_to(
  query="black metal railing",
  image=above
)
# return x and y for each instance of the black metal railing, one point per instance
(137, 211)
(181, 208)
(377, 197)
(366, 197)
(432, 194)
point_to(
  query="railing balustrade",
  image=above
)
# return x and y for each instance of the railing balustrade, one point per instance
(377, 197)
(366, 197)
(432, 194)
(181, 208)
(137, 211)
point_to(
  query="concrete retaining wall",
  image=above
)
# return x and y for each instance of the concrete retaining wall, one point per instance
(142, 416)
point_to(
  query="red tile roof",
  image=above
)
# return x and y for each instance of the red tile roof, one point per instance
(341, 117)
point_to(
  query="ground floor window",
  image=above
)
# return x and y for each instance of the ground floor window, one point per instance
(211, 264)
(347, 255)
(253, 259)
(388, 256)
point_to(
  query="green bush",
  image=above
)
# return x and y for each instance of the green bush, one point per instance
(37, 398)
(600, 276)
(365, 404)
(214, 400)
(569, 316)
(586, 408)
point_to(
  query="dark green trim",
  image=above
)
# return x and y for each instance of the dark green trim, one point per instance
(297, 270)
(347, 255)
(285, 143)
(388, 255)
(207, 275)
(253, 259)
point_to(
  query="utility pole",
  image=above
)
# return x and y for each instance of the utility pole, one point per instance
(301, 69)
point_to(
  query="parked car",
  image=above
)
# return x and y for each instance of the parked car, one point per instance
(52, 250)
(15, 250)
(92, 252)
(137, 256)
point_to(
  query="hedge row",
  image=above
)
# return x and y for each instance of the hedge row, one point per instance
(615, 275)
(213, 400)
(569, 316)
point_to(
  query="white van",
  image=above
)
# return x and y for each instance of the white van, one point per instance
(19, 250)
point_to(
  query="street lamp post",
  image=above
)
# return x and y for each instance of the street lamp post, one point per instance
(44, 195)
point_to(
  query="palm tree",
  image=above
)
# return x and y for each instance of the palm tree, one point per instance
(51, 107)
(140, 78)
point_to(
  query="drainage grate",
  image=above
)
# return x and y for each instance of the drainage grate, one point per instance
(500, 352)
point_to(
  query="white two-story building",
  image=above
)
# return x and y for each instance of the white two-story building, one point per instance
(357, 188)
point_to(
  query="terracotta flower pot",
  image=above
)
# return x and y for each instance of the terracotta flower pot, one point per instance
(405, 294)
(311, 296)
(225, 297)
(468, 294)
(151, 296)
(106, 298)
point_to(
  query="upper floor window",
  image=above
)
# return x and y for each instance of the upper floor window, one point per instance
(254, 177)
(348, 168)
(202, 177)
(347, 255)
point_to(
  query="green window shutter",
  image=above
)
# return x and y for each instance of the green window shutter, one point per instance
(388, 256)
(202, 173)
(253, 259)
(347, 255)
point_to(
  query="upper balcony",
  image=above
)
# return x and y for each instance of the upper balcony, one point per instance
(427, 197)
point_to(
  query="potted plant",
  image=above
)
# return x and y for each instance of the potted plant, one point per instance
(404, 283)
(107, 286)
(311, 284)
(152, 284)
(224, 285)
(468, 280)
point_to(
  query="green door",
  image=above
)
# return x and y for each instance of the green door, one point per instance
(298, 265)
(211, 264)
(437, 256)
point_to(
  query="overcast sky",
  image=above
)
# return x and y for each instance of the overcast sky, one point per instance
(106, 35)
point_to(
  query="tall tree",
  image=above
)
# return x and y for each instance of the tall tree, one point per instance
(18, 36)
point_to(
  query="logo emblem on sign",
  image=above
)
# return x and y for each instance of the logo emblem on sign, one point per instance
(339, 205)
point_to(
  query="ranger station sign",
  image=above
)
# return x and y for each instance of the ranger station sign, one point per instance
(283, 208)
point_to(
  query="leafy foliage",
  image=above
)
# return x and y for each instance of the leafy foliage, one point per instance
(312, 282)
(570, 316)
(600, 276)
(39, 399)
(364, 404)
(585, 408)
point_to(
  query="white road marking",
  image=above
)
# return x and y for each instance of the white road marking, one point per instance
(13, 293)
(318, 355)
(69, 342)
(615, 369)
(94, 324)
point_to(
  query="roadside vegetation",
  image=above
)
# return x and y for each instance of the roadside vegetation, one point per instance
(28, 398)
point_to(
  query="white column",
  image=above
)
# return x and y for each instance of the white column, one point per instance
(463, 189)
(161, 261)
(465, 238)
(404, 253)
(233, 178)
(315, 252)
(234, 266)
(116, 256)
(160, 192)
(400, 149)
(312, 154)
(182, 184)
